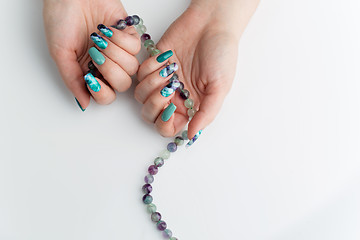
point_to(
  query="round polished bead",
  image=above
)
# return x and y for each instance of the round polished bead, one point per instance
(155, 52)
(179, 141)
(161, 225)
(149, 178)
(181, 87)
(159, 162)
(147, 199)
(155, 217)
(173, 238)
(184, 94)
(136, 19)
(91, 65)
(184, 134)
(148, 43)
(189, 103)
(143, 29)
(150, 48)
(174, 77)
(167, 233)
(145, 37)
(191, 112)
(171, 147)
(153, 170)
(129, 21)
(151, 208)
(165, 154)
(121, 25)
(147, 188)
(141, 21)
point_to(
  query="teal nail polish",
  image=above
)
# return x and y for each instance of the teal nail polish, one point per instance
(168, 112)
(164, 56)
(191, 142)
(82, 109)
(98, 40)
(105, 30)
(92, 82)
(96, 56)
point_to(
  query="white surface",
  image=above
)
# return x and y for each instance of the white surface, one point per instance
(281, 161)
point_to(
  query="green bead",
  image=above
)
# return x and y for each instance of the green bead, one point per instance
(191, 112)
(189, 103)
(179, 141)
(184, 134)
(150, 48)
(159, 162)
(165, 154)
(173, 238)
(141, 21)
(155, 52)
(151, 208)
(148, 43)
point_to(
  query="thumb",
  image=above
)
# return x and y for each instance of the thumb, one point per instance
(72, 75)
(209, 108)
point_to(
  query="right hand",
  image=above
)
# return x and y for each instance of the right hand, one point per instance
(68, 25)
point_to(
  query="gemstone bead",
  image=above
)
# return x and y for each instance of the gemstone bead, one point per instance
(161, 225)
(150, 48)
(184, 94)
(174, 77)
(141, 21)
(148, 43)
(143, 29)
(155, 52)
(149, 178)
(167, 233)
(171, 147)
(136, 19)
(147, 199)
(145, 37)
(155, 217)
(121, 25)
(147, 188)
(91, 65)
(165, 154)
(189, 103)
(159, 162)
(184, 134)
(151, 208)
(153, 170)
(181, 87)
(191, 112)
(129, 21)
(173, 238)
(179, 141)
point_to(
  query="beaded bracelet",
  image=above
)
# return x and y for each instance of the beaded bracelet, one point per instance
(174, 85)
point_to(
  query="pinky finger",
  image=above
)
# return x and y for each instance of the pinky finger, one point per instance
(101, 92)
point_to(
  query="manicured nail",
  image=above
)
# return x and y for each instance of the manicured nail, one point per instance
(168, 112)
(105, 30)
(98, 40)
(92, 82)
(169, 69)
(164, 56)
(82, 109)
(96, 56)
(191, 142)
(170, 88)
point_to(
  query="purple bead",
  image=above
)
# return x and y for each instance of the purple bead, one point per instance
(153, 170)
(149, 179)
(121, 25)
(129, 21)
(136, 19)
(161, 225)
(155, 217)
(184, 94)
(147, 199)
(171, 147)
(181, 87)
(147, 188)
(145, 37)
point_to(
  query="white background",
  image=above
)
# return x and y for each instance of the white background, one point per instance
(281, 161)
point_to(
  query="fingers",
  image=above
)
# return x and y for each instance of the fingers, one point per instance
(72, 75)
(152, 64)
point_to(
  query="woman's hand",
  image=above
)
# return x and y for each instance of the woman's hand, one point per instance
(68, 26)
(205, 46)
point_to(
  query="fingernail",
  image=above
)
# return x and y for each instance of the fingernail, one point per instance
(98, 40)
(96, 56)
(105, 30)
(92, 82)
(170, 88)
(169, 69)
(191, 142)
(168, 112)
(164, 56)
(82, 109)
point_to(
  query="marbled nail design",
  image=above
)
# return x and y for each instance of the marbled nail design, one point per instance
(170, 88)
(169, 69)
(98, 40)
(105, 30)
(92, 82)
(191, 142)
